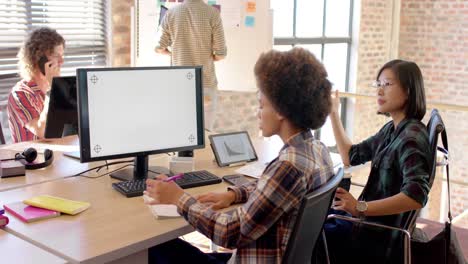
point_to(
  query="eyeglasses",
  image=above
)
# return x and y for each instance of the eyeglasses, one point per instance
(381, 84)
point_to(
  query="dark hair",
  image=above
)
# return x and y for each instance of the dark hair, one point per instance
(410, 78)
(40, 42)
(296, 84)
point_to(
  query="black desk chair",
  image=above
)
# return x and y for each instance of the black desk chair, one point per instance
(309, 223)
(2, 137)
(435, 126)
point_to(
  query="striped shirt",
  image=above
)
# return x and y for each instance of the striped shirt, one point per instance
(25, 103)
(260, 228)
(194, 31)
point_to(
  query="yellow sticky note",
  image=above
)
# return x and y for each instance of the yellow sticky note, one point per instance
(251, 7)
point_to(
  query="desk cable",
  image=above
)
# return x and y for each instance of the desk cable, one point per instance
(105, 165)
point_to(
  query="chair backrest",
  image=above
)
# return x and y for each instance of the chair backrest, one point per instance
(309, 223)
(435, 126)
(2, 138)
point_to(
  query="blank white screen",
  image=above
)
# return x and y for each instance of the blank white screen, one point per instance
(141, 110)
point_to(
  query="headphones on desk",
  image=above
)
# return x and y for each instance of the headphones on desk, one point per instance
(29, 155)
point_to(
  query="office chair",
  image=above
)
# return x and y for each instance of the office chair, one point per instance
(435, 126)
(2, 137)
(309, 223)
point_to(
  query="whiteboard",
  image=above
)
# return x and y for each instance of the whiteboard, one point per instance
(244, 43)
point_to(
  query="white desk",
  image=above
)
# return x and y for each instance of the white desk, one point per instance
(115, 228)
(18, 251)
(61, 167)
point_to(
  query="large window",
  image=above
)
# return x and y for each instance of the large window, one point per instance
(324, 28)
(83, 24)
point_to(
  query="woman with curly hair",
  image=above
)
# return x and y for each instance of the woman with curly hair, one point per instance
(294, 99)
(40, 59)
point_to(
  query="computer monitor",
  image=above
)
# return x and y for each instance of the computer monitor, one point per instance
(62, 116)
(136, 112)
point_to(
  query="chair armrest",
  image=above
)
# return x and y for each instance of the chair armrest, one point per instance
(407, 240)
(358, 184)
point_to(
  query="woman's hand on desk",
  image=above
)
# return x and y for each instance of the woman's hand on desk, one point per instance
(219, 200)
(163, 192)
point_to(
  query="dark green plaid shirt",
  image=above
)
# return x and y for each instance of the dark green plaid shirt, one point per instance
(401, 161)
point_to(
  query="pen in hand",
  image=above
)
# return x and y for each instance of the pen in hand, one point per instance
(173, 178)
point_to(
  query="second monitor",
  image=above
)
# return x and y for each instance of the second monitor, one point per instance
(135, 112)
(62, 116)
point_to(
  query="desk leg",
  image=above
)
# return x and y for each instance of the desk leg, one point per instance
(137, 258)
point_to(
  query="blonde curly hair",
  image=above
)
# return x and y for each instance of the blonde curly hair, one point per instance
(40, 42)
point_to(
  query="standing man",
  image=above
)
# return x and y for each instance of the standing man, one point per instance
(40, 59)
(194, 32)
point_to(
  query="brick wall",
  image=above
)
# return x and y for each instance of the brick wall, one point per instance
(236, 111)
(373, 52)
(434, 34)
(120, 14)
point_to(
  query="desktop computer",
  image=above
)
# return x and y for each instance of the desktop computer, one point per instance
(136, 112)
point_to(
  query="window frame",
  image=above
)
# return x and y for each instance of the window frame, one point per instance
(91, 47)
(323, 40)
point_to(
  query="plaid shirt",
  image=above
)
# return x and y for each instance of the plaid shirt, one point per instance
(401, 161)
(194, 31)
(25, 103)
(260, 228)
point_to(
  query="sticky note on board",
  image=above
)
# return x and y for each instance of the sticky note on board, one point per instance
(249, 21)
(211, 2)
(251, 7)
(218, 7)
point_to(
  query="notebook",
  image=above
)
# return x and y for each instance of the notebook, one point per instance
(254, 169)
(27, 213)
(162, 211)
(58, 204)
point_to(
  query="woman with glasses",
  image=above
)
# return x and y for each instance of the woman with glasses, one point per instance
(40, 59)
(398, 181)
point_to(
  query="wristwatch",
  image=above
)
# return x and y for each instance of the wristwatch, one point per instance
(361, 207)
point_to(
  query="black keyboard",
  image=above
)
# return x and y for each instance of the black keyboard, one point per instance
(191, 179)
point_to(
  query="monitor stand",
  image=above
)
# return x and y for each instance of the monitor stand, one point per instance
(140, 170)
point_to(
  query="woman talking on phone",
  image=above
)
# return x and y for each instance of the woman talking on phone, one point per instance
(40, 59)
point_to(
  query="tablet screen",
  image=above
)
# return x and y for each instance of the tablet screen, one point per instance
(232, 148)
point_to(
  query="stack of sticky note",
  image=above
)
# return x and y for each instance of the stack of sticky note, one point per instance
(54, 203)
(27, 213)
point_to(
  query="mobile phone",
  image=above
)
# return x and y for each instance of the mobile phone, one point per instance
(42, 61)
(235, 179)
(345, 184)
